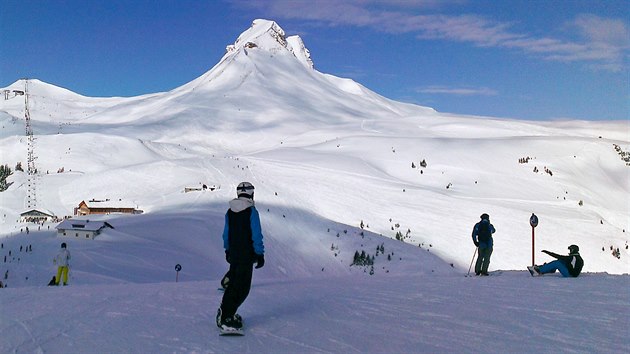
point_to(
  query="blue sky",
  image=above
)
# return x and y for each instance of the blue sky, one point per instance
(530, 59)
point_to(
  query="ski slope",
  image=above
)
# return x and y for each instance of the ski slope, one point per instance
(326, 155)
(512, 313)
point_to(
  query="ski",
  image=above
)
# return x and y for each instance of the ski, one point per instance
(492, 273)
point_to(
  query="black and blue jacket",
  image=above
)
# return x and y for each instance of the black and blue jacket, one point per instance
(242, 233)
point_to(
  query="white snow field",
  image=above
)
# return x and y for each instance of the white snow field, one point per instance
(337, 169)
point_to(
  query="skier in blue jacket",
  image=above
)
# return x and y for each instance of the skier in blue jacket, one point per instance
(243, 243)
(482, 238)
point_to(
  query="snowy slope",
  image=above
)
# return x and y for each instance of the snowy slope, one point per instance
(511, 313)
(325, 154)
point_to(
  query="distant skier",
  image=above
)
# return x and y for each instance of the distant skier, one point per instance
(243, 243)
(569, 266)
(482, 238)
(63, 263)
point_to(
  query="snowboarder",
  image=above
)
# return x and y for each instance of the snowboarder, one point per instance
(243, 243)
(62, 262)
(569, 266)
(482, 238)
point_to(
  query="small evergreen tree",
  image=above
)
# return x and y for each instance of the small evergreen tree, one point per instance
(5, 171)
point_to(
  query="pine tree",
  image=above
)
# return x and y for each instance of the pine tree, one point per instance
(5, 171)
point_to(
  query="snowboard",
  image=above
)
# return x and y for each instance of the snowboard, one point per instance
(234, 332)
(533, 272)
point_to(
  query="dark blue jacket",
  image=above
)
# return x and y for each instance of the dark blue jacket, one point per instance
(475, 233)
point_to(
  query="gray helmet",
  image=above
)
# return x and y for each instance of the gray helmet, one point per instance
(574, 249)
(245, 189)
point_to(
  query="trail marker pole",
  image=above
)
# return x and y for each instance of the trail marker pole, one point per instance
(533, 221)
(177, 269)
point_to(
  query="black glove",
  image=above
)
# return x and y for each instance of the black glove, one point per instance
(260, 261)
(227, 256)
(476, 243)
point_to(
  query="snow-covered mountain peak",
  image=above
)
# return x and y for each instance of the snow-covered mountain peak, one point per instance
(268, 35)
(300, 51)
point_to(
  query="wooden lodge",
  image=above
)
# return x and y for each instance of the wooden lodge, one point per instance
(37, 215)
(105, 207)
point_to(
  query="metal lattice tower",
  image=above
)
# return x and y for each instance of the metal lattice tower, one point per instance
(31, 196)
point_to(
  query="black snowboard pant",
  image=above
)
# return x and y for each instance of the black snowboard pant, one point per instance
(238, 288)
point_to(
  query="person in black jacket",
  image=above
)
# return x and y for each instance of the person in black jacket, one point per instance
(569, 266)
(243, 243)
(482, 238)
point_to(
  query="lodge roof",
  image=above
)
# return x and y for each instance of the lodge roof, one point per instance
(87, 225)
(40, 210)
(107, 204)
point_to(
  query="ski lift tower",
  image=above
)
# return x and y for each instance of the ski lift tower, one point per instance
(31, 197)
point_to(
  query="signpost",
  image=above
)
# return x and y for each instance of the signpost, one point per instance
(178, 267)
(533, 221)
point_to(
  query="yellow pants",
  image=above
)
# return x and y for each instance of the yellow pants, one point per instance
(61, 270)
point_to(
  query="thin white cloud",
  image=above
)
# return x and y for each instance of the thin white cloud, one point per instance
(459, 91)
(598, 42)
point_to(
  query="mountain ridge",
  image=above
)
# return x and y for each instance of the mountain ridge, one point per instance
(312, 141)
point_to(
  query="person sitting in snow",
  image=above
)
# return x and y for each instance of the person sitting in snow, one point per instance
(63, 263)
(482, 238)
(243, 243)
(569, 266)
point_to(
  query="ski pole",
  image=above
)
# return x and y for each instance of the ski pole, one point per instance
(473, 259)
